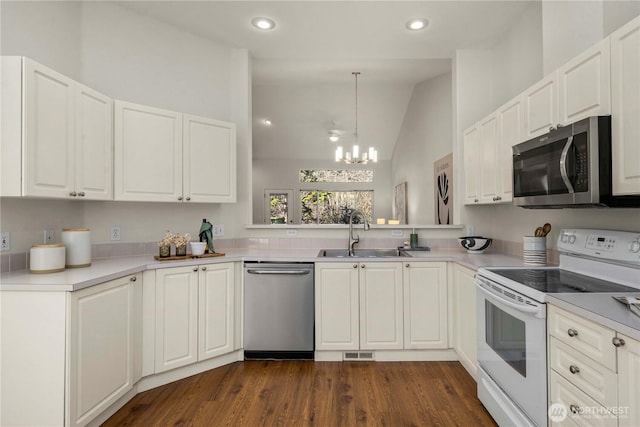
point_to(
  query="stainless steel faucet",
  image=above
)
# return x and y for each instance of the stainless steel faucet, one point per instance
(355, 239)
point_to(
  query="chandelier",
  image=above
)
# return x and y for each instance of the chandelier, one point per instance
(354, 156)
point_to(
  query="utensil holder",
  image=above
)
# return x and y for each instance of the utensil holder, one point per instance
(534, 250)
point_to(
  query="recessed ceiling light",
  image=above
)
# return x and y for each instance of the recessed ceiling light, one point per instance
(267, 122)
(263, 23)
(417, 24)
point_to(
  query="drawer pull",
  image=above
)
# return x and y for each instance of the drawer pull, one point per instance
(355, 265)
(362, 265)
(572, 333)
(204, 268)
(195, 268)
(618, 342)
(575, 409)
(133, 279)
(574, 369)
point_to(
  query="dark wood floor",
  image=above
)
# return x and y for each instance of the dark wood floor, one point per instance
(301, 393)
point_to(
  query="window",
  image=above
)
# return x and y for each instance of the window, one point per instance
(278, 206)
(333, 207)
(329, 175)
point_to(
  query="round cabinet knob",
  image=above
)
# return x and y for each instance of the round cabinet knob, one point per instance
(475, 200)
(574, 409)
(551, 128)
(355, 265)
(574, 369)
(572, 333)
(618, 342)
(195, 268)
(73, 194)
(572, 239)
(180, 198)
(407, 265)
(362, 266)
(133, 279)
(204, 268)
(188, 198)
(634, 246)
(81, 194)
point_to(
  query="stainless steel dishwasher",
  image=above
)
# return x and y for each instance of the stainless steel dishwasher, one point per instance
(278, 310)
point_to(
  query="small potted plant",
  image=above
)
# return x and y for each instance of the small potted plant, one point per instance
(165, 245)
(180, 241)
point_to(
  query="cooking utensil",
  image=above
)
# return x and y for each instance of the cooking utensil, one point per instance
(538, 232)
(546, 229)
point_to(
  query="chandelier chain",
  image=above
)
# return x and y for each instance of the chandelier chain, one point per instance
(356, 73)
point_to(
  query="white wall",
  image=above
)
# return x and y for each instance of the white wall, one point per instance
(284, 175)
(425, 136)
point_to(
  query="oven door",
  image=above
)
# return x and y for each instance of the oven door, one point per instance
(512, 349)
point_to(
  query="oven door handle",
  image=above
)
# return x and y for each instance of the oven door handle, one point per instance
(564, 163)
(519, 307)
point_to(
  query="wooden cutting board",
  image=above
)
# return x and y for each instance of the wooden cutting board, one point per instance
(188, 257)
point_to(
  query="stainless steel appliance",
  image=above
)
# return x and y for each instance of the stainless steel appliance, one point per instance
(568, 167)
(511, 315)
(278, 310)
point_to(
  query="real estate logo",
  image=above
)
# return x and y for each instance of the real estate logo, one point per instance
(557, 412)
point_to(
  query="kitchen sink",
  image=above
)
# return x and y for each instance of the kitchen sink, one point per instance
(363, 253)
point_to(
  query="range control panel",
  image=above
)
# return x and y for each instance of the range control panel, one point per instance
(606, 244)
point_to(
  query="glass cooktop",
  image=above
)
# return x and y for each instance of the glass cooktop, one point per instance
(560, 281)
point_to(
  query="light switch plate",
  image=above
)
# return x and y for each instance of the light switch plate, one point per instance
(48, 237)
(292, 232)
(218, 230)
(115, 233)
(397, 233)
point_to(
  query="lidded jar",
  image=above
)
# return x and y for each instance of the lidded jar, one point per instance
(78, 244)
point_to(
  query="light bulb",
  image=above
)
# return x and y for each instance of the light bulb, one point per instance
(356, 151)
(338, 154)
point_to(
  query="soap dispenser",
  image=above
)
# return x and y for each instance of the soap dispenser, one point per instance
(413, 239)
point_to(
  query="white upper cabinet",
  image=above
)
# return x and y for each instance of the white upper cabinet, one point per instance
(166, 156)
(488, 145)
(510, 131)
(625, 108)
(471, 142)
(209, 160)
(57, 134)
(585, 85)
(541, 107)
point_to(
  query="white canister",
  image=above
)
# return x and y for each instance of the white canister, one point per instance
(47, 258)
(78, 244)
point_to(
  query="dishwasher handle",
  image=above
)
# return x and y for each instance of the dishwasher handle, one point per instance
(288, 272)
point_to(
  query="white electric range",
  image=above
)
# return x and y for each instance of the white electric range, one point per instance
(511, 303)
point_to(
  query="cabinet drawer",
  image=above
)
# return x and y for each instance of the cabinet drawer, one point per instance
(580, 408)
(594, 379)
(584, 335)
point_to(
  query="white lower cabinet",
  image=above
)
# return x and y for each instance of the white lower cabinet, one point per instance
(425, 305)
(381, 306)
(594, 371)
(194, 314)
(464, 317)
(101, 348)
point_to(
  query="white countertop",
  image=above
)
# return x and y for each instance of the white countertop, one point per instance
(602, 309)
(102, 270)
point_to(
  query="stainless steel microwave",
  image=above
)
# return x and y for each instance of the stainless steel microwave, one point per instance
(568, 167)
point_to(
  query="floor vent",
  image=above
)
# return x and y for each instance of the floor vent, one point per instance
(363, 355)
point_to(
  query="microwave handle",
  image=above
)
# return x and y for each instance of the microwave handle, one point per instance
(563, 164)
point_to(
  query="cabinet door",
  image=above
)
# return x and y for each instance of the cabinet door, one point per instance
(585, 85)
(94, 145)
(176, 317)
(147, 153)
(489, 171)
(464, 318)
(381, 319)
(48, 132)
(425, 305)
(100, 348)
(209, 160)
(628, 384)
(471, 148)
(625, 109)
(510, 133)
(215, 310)
(336, 300)
(541, 106)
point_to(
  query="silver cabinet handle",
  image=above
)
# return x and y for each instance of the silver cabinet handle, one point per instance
(133, 279)
(179, 197)
(618, 342)
(204, 268)
(572, 333)
(195, 268)
(574, 369)
(73, 194)
(188, 198)
(574, 409)
(81, 194)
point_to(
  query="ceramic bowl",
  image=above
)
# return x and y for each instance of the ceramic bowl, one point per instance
(475, 244)
(197, 248)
